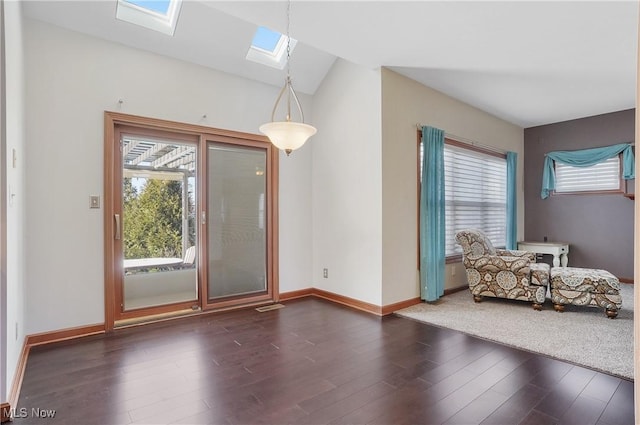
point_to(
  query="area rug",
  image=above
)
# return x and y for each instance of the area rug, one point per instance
(581, 335)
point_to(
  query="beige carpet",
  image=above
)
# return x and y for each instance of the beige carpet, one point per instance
(580, 335)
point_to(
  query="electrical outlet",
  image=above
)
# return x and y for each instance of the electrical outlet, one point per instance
(325, 273)
(94, 201)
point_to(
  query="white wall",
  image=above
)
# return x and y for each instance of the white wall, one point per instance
(295, 215)
(346, 181)
(406, 103)
(3, 217)
(15, 190)
(72, 79)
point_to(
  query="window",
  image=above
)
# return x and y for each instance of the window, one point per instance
(160, 16)
(475, 194)
(475, 183)
(161, 7)
(269, 48)
(601, 177)
(266, 40)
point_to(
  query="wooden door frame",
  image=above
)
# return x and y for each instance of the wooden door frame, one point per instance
(113, 270)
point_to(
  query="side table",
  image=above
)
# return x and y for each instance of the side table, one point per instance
(559, 250)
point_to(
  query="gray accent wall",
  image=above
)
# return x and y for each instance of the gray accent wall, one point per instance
(599, 228)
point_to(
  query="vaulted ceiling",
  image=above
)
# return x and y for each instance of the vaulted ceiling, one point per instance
(529, 63)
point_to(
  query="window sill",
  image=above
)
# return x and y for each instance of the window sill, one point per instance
(453, 259)
(590, 192)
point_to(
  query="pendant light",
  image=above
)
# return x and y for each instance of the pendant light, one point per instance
(288, 135)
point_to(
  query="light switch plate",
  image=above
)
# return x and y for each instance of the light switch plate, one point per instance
(94, 201)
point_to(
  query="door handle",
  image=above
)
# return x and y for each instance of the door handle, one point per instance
(117, 221)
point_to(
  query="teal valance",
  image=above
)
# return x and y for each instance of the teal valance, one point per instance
(586, 158)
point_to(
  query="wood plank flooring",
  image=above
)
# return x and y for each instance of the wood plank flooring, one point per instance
(312, 362)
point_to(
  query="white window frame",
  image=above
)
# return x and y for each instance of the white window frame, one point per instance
(276, 58)
(149, 19)
(604, 177)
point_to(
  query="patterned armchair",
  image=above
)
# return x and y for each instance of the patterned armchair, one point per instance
(502, 273)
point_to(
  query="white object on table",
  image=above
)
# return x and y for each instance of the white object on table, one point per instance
(147, 263)
(559, 250)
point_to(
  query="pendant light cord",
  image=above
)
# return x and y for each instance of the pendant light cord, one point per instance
(288, 87)
(288, 82)
(288, 36)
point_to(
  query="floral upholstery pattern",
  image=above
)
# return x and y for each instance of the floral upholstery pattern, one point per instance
(500, 273)
(540, 274)
(578, 286)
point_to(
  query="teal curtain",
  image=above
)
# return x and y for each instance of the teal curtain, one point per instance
(432, 231)
(512, 201)
(586, 158)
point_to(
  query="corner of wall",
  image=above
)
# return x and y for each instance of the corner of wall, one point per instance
(3, 227)
(13, 183)
(405, 103)
(636, 261)
(347, 183)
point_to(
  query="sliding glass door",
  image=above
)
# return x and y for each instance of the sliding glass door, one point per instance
(158, 222)
(238, 217)
(190, 218)
(151, 202)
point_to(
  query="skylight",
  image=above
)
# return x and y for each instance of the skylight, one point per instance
(160, 15)
(269, 48)
(266, 39)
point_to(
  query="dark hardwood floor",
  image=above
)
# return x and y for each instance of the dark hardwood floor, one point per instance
(312, 362)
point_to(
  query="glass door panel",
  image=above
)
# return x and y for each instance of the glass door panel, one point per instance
(158, 223)
(191, 219)
(237, 221)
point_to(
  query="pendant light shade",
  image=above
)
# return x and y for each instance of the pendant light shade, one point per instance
(288, 135)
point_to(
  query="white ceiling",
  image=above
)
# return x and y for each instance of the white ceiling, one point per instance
(530, 63)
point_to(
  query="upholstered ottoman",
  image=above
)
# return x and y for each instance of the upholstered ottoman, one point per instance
(577, 286)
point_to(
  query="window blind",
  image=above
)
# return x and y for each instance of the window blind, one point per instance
(475, 195)
(602, 176)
